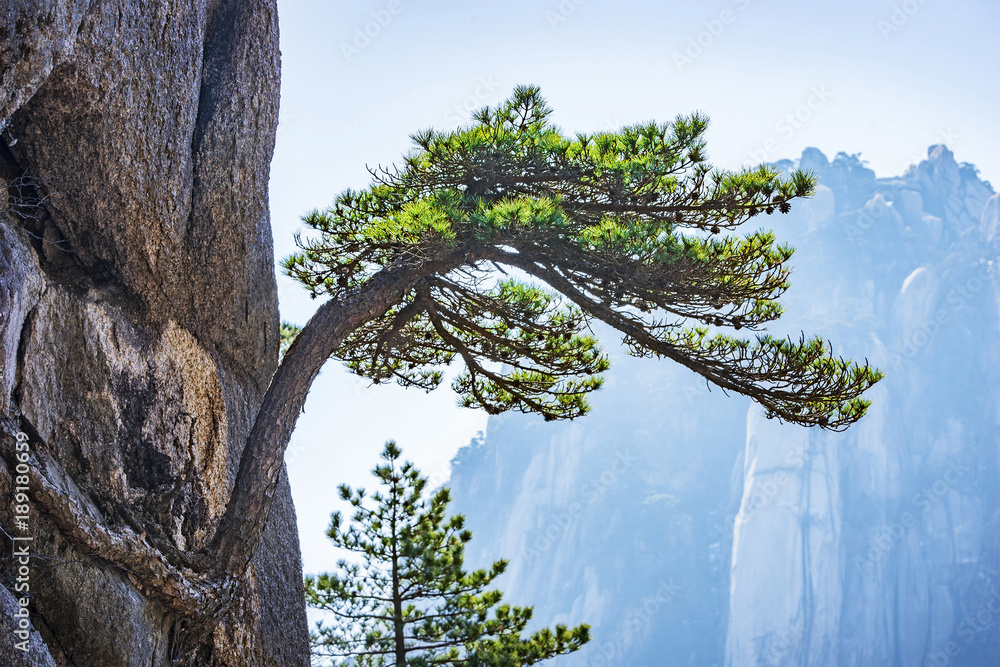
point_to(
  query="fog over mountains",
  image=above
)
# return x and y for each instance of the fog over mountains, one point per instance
(689, 530)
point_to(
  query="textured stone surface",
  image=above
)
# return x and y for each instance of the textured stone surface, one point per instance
(35, 35)
(620, 519)
(138, 314)
(20, 288)
(991, 220)
(33, 652)
(890, 546)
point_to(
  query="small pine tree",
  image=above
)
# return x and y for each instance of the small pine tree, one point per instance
(409, 601)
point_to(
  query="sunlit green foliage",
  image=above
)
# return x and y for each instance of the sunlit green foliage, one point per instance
(630, 228)
(287, 334)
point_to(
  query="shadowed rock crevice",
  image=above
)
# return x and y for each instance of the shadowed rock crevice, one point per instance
(139, 356)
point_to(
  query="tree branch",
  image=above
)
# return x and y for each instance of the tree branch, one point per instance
(243, 523)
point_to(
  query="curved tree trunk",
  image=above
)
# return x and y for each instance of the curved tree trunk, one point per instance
(257, 481)
(138, 318)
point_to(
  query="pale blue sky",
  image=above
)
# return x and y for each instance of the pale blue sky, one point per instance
(883, 78)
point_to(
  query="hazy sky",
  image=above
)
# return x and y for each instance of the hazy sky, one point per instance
(882, 78)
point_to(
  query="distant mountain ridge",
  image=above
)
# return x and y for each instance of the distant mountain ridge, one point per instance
(689, 530)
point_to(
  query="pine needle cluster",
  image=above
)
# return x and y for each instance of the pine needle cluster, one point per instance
(632, 228)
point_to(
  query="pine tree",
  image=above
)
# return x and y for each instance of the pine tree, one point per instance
(409, 601)
(500, 243)
(624, 227)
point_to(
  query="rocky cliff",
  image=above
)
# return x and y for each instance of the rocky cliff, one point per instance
(620, 519)
(689, 530)
(887, 537)
(138, 309)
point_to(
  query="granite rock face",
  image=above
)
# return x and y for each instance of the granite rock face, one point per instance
(138, 308)
(734, 540)
(887, 537)
(621, 519)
